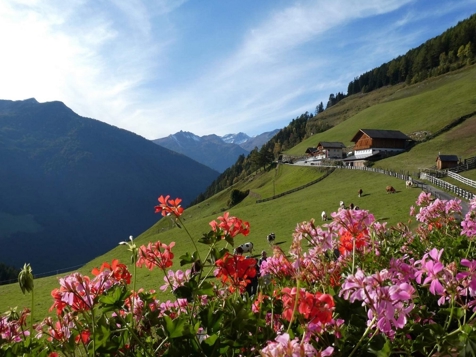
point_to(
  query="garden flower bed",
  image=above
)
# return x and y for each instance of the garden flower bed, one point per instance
(351, 287)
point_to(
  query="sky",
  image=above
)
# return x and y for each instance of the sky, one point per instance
(156, 67)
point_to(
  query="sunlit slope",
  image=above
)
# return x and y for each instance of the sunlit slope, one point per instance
(460, 141)
(279, 216)
(429, 106)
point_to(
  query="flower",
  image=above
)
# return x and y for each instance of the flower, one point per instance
(167, 206)
(229, 226)
(176, 279)
(313, 307)
(235, 270)
(152, 255)
(283, 346)
(432, 269)
(115, 270)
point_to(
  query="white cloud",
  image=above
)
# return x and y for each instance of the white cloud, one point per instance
(115, 61)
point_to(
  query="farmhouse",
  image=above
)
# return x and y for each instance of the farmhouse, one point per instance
(373, 144)
(327, 150)
(330, 150)
(311, 151)
(446, 161)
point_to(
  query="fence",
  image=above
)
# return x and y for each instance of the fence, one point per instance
(400, 175)
(449, 187)
(44, 274)
(427, 175)
(328, 172)
(462, 179)
(467, 164)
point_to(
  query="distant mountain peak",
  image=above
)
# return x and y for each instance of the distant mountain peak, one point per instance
(238, 139)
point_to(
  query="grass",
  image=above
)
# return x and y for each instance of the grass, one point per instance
(457, 141)
(279, 216)
(426, 106)
(429, 106)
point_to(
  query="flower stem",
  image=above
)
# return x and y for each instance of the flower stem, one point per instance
(363, 336)
(295, 305)
(469, 247)
(190, 236)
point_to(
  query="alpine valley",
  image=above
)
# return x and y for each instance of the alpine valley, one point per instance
(73, 187)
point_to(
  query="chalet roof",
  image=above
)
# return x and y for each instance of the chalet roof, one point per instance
(331, 144)
(311, 150)
(380, 134)
(447, 158)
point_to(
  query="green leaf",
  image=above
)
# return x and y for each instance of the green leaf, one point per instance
(377, 343)
(211, 340)
(186, 259)
(208, 238)
(176, 328)
(221, 253)
(230, 240)
(469, 346)
(183, 292)
(205, 289)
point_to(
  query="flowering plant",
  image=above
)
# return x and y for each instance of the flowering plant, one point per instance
(352, 287)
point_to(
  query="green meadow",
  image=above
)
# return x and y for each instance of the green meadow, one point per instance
(428, 106)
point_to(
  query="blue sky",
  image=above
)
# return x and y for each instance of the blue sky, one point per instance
(157, 67)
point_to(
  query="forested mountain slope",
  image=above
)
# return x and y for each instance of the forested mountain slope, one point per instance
(71, 187)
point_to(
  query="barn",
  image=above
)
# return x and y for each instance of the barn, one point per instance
(446, 161)
(374, 144)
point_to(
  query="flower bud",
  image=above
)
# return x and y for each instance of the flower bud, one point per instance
(25, 278)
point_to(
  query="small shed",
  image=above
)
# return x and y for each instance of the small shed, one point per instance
(446, 161)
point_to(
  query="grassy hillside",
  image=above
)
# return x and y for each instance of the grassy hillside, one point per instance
(279, 216)
(427, 106)
(458, 141)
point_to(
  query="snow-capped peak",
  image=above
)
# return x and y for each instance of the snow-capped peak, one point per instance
(238, 139)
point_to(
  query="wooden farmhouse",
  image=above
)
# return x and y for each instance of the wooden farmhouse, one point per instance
(311, 151)
(373, 144)
(331, 150)
(446, 161)
(326, 150)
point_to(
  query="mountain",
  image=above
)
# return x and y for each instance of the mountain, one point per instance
(239, 138)
(216, 152)
(258, 140)
(71, 187)
(209, 150)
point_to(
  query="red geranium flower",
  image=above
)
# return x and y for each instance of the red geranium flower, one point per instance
(152, 256)
(230, 226)
(167, 206)
(314, 308)
(118, 271)
(235, 270)
(346, 239)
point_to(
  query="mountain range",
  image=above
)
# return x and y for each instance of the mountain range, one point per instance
(71, 187)
(216, 152)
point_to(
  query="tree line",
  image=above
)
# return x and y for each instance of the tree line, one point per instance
(450, 51)
(447, 52)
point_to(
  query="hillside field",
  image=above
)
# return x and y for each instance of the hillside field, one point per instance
(426, 106)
